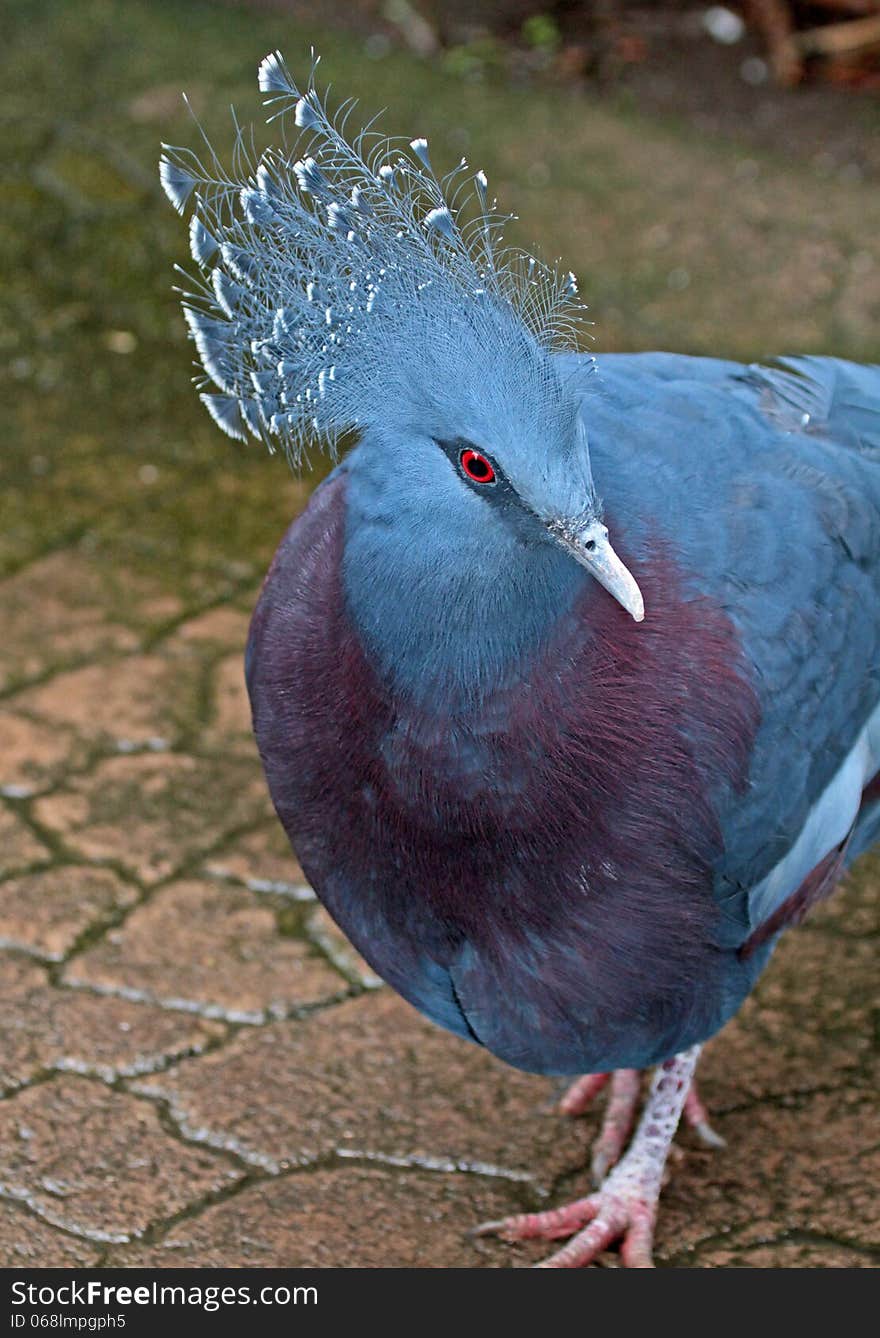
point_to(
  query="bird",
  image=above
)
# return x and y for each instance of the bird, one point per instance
(566, 682)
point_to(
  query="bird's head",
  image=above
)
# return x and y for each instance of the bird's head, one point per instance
(343, 287)
(481, 433)
(556, 506)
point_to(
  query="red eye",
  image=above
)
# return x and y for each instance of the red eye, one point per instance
(477, 467)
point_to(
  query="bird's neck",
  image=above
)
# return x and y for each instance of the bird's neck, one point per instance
(447, 612)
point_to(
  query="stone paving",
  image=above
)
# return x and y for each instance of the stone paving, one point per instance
(196, 1068)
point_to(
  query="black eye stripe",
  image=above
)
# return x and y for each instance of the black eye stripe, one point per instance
(475, 467)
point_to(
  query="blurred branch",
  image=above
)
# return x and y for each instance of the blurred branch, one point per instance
(838, 39)
(773, 20)
(848, 6)
(413, 27)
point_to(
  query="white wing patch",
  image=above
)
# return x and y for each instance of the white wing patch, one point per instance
(827, 824)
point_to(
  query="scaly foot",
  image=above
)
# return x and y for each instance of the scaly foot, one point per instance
(620, 1115)
(625, 1206)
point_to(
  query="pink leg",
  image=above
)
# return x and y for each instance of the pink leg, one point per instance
(620, 1117)
(579, 1096)
(620, 1113)
(625, 1205)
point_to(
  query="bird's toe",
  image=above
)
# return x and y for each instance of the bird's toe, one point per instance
(630, 1222)
(618, 1122)
(554, 1224)
(579, 1096)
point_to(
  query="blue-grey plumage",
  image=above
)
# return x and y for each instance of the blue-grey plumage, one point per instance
(563, 798)
(767, 479)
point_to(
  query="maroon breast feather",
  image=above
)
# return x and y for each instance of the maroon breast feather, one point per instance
(587, 850)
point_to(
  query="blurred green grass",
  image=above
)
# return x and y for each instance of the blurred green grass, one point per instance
(679, 242)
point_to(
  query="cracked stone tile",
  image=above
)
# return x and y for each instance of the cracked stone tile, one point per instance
(26, 1242)
(786, 1254)
(231, 718)
(48, 1028)
(212, 948)
(134, 701)
(853, 910)
(19, 848)
(358, 1217)
(98, 1162)
(32, 754)
(154, 812)
(370, 1076)
(161, 608)
(45, 913)
(223, 626)
(54, 610)
(264, 861)
(809, 1165)
(783, 1040)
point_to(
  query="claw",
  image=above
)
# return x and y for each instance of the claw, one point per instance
(708, 1136)
(554, 1224)
(697, 1117)
(600, 1165)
